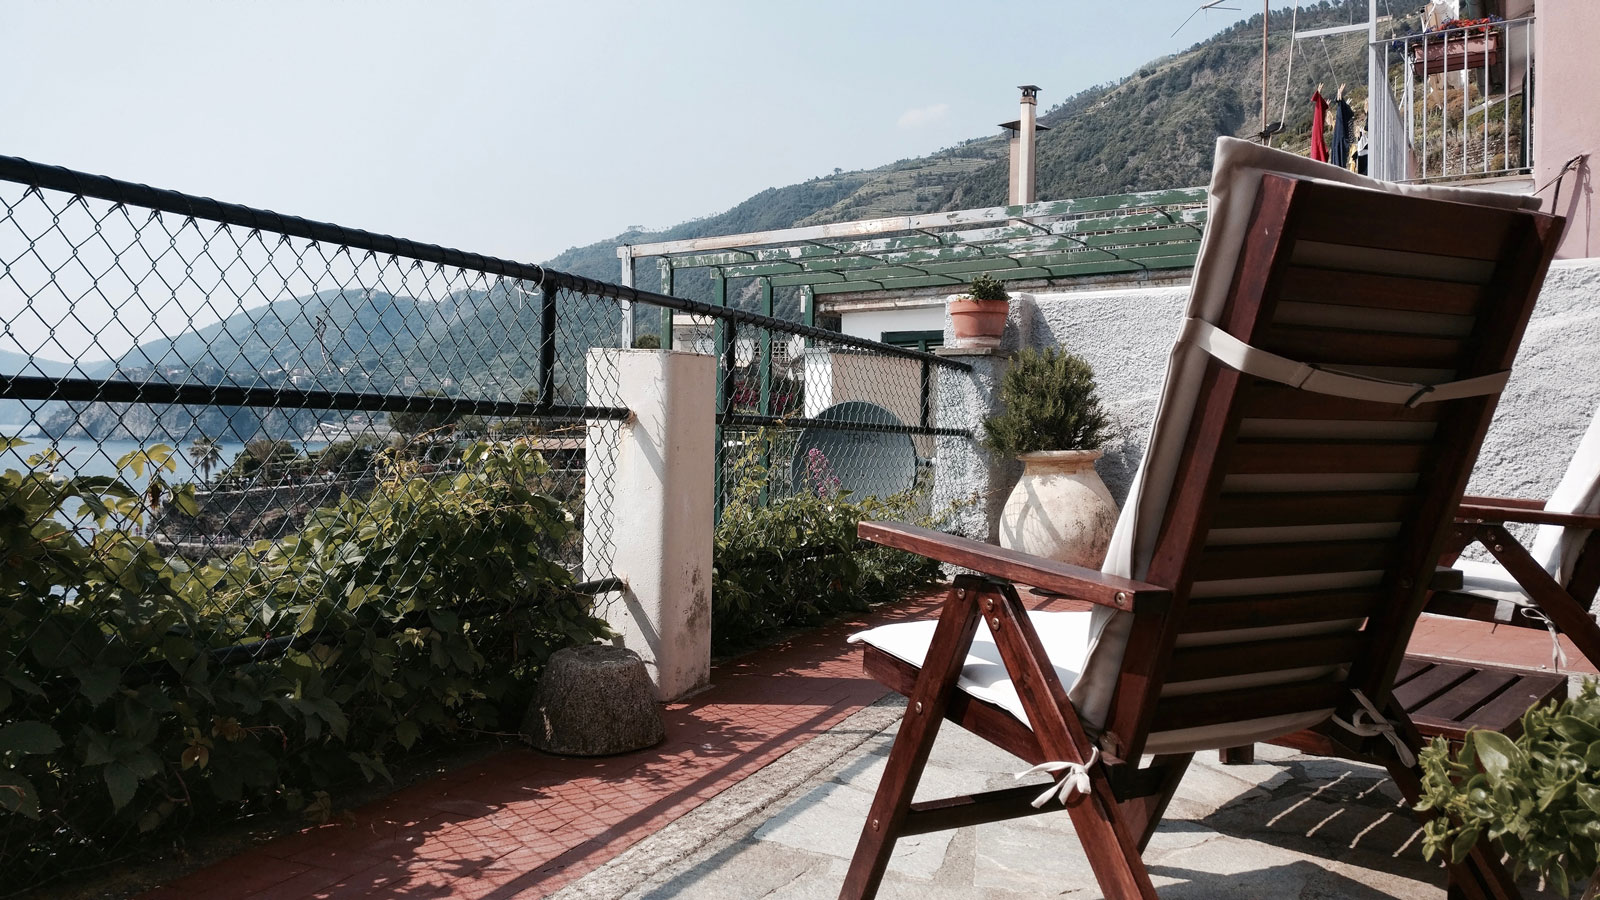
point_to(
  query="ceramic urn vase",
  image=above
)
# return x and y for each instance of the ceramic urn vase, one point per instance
(1060, 509)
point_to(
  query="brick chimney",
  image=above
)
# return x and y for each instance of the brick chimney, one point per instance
(1023, 140)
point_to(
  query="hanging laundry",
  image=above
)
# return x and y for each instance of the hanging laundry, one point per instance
(1319, 110)
(1343, 127)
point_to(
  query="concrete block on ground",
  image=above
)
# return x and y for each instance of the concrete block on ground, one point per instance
(594, 701)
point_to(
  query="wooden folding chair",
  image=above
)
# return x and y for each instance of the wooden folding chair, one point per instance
(1553, 584)
(1344, 351)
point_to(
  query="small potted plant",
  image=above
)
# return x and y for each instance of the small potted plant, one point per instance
(1052, 421)
(979, 316)
(1538, 795)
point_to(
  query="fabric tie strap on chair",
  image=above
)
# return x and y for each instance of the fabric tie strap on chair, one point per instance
(1075, 781)
(1239, 356)
(1346, 344)
(1558, 654)
(1368, 722)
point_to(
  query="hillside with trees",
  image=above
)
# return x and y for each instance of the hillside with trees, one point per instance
(1150, 130)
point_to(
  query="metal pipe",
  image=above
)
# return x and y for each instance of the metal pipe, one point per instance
(665, 318)
(743, 420)
(1483, 94)
(1505, 108)
(1266, 9)
(1424, 105)
(32, 387)
(1466, 95)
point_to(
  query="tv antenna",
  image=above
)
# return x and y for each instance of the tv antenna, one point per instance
(1214, 4)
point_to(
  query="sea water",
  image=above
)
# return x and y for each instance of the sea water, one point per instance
(86, 456)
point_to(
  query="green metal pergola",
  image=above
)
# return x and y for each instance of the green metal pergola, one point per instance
(1046, 241)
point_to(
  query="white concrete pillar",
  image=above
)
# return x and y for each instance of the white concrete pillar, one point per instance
(651, 477)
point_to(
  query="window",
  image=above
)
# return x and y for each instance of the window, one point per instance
(925, 341)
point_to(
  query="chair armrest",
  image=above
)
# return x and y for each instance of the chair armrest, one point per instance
(1055, 577)
(1478, 510)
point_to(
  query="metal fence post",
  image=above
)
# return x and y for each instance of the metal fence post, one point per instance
(628, 266)
(547, 346)
(726, 387)
(666, 314)
(808, 308)
(723, 335)
(927, 394)
(766, 379)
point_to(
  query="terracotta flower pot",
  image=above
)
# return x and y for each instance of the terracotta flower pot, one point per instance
(978, 323)
(1060, 509)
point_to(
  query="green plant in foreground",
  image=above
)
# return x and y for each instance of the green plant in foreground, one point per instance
(1050, 404)
(1538, 795)
(420, 612)
(987, 287)
(782, 561)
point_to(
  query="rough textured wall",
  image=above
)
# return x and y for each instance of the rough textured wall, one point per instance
(1555, 386)
(1126, 335)
(971, 482)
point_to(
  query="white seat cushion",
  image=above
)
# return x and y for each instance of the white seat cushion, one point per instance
(1490, 579)
(1065, 636)
(1557, 548)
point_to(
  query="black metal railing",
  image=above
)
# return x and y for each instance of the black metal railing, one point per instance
(297, 442)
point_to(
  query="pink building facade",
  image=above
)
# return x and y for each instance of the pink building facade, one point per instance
(1566, 116)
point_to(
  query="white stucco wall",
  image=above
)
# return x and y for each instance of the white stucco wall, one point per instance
(1126, 334)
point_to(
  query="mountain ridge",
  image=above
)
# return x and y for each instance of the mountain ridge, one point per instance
(1152, 129)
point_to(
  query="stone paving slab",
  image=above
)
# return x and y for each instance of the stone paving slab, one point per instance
(771, 742)
(1287, 826)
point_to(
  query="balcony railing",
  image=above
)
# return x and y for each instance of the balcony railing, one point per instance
(295, 498)
(1464, 101)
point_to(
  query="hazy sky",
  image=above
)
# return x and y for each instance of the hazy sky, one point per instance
(509, 129)
(520, 129)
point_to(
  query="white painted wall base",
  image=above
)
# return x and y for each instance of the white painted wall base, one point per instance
(655, 472)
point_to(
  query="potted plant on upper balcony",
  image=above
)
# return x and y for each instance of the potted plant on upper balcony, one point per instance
(1053, 423)
(1458, 45)
(978, 317)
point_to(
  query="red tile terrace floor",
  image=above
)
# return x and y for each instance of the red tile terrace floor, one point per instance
(520, 824)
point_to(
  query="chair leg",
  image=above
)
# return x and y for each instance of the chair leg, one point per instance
(1481, 876)
(1108, 840)
(1237, 756)
(925, 710)
(1143, 814)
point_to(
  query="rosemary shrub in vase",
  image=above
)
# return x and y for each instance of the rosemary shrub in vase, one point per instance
(1053, 422)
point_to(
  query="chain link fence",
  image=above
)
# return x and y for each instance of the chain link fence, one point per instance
(298, 499)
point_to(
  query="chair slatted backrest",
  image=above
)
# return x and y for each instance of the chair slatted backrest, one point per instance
(1302, 527)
